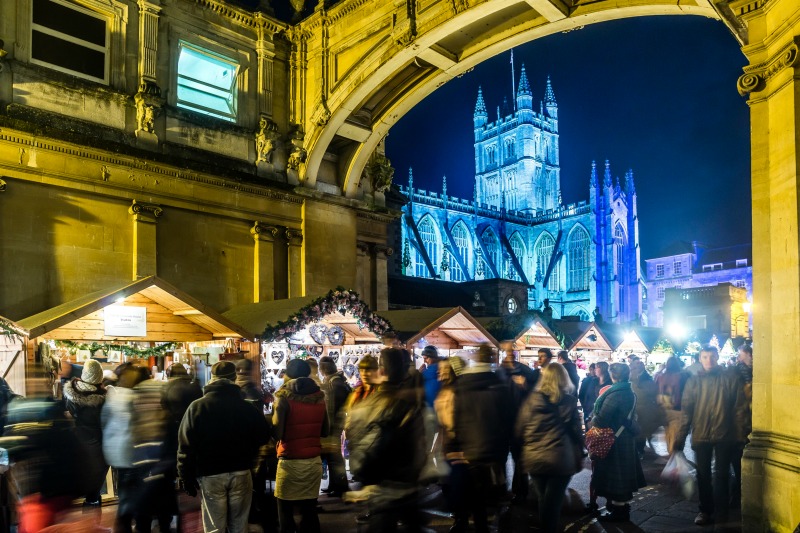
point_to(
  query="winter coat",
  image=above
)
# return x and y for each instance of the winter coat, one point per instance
(670, 389)
(336, 392)
(572, 372)
(590, 387)
(116, 417)
(620, 474)
(649, 413)
(430, 379)
(551, 435)
(300, 419)
(483, 418)
(177, 395)
(521, 379)
(386, 436)
(714, 408)
(219, 433)
(86, 409)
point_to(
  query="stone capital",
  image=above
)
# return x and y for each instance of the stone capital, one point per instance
(294, 237)
(362, 247)
(144, 211)
(263, 232)
(755, 77)
(387, 251)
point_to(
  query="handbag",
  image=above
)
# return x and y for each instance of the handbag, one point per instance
(600, 440)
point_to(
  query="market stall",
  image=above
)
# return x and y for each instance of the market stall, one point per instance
(13, 338)
(451, 330)
(625, 341)
(337, 324)
(535, 336)
(585, 340)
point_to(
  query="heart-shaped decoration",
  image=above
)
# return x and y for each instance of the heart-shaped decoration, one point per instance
(334, 355)
(315, 351)
(349, 370)
(277, 356)
(318, 332)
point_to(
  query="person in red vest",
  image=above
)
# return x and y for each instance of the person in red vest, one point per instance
(300, 421)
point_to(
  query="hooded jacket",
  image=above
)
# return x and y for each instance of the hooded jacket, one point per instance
(85, 408)
(300, 419)
(117, 415)
(714, 408)
(220, 433)
(551, 436)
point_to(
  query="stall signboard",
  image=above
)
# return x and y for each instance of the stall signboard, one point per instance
(125, 321)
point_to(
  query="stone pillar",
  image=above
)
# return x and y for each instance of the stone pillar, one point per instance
(263, 262)
(380, 277)
(294, 239)
(148, 99)
(771, 468)
(363, 271)
(145, 248)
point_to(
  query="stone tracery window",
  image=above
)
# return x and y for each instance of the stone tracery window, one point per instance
(430, 240)
(578, 260)
(493, 249)
(544, 252)
(461, 238)
(518, 247)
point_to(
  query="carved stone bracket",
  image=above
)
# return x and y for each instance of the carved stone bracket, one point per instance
(321, 115)
(263, 232)
(141, 208)
(3, 185)
(755, 77)
(148, 106)
(379, 171)
(362, 247)
(266, 140)
(294, 237)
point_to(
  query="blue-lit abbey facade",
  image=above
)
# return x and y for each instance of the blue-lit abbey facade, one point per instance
(579, 256)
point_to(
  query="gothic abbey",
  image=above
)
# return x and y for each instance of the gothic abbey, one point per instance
(580, 256)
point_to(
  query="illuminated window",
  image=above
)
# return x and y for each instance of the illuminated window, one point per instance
(544, 251)
(578, 260)
(207, 82)
(429, 240)
(659, 271)
(660, 293)
(518, 247)
(712, 267)
(677, 268)
(740, 283)
(461, 238)
(741, 263)
(70, 39)
(492, 249)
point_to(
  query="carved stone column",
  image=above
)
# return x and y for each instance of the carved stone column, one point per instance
(263, 262)
(148, 99)
(145, 247)
(363, 270)
(771, 471)
(294, 239)
(381, 278)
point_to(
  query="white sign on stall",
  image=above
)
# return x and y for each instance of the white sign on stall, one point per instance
(125, 321)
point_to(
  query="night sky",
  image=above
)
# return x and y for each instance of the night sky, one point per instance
(655, 94)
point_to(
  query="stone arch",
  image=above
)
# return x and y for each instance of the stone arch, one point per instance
(493, 249)
(414, 59)
(579, 253)
(542, 251)
(462, 236)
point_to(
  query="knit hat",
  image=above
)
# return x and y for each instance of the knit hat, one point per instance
(430, 351)
(223, 370)
(297, 368)
(177, 369)
(368, 362)
(244, 367)
(92, 372)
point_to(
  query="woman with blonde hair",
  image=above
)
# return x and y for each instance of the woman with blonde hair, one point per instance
(552, 441)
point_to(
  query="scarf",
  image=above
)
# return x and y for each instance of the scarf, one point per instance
(620, 385)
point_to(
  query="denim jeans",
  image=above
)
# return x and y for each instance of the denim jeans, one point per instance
(550, 492)
(714, 495)
(225, 501)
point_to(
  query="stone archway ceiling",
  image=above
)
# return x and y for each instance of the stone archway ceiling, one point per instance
(376, 60)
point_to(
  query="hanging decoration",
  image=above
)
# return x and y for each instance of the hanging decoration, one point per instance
(130, 351)
(406, 254)
(445, 263)
(277, 356)
(339, 300)
(12, 331)
(320, 332)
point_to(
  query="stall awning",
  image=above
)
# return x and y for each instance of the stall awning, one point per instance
(624, 339)
(584, 335)
(447, 328)
(536, 336)
(171, 315)
(278, 320)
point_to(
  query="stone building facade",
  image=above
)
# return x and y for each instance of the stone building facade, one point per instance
(153, 137)
(579, 256)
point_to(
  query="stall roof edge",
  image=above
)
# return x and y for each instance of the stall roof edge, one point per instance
(412, 324)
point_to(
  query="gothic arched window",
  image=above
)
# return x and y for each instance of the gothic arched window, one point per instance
(493, 249)
(619, 262)
(544, 251)
(578, 260)
(430, 240)
(461, 238)
(518, 247)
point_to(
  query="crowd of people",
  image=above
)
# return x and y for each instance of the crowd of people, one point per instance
(454, 421)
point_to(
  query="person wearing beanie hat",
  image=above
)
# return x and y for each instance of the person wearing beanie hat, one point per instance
(386, 441)
(369, 379)
(300, 421)
(219, 439)
(430, 376)
(84, 398)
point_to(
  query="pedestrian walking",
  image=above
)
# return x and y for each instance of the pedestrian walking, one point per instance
(571, 368)
(549, 427)
(649, 412)
(714, 409)
(521, 380)
(300, 421)
(670, 385)
(218, 443)
(336, 390)
(617, 476)
(587, 394)
(744, 366)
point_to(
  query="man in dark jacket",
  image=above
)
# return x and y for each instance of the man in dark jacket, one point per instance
(482, 424)
(336, 390)
(386, 438)
(714, 408)
(572, 370)
(521, 380)
(218, 442)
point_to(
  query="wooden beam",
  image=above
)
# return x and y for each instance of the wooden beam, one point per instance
(552, 10)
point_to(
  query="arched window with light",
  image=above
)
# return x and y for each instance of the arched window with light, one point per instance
(493, 249)
(578, 260)
(544, 251)
(518, 247)
(619, 263)
(461, 238)
(430, 240)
